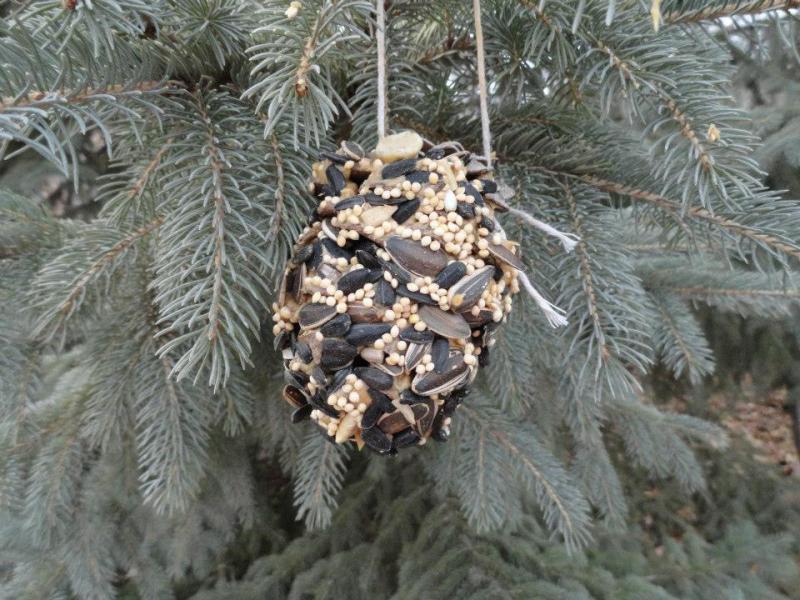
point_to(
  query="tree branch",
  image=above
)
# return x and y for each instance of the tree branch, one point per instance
(730, 9)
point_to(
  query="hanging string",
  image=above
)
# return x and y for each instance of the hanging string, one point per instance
(483, 90)
(554, 315)
(380, 38)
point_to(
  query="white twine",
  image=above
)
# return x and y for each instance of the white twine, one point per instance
(553, 314)
(568, 240)
(482, 89)
(380, 38)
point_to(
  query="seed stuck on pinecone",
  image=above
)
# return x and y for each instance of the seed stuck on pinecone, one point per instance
(394, 291)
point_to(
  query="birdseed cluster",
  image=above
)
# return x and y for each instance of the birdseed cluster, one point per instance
(390, 301)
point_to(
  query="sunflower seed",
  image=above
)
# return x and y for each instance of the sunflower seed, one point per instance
(296, 378)
(303, 352)
(303, 254)
(294, 396)
(418, 177)
(486, 223)
(447, 324)
(465, 210)
(440, 352)
(381, 400)
(363, 314)
(384, 293)
(397, 272)
(394, 422)
(410, 398)
(337, 326)
(401, 167)
(318, 377)
(293, 282)
(470, 190)
(334, 250)
(489, 186)
(336, 353)
(375, 439)
(414, 354)
(371, 416)
(302, 413)
(352, 150)
(454, 374)
(318, 402)
(505, 254)
(331, 232)
(374, 378)
(335, 179)
(484, 357)
(425, 414)
(349, 203)
(362, 334)
(468, 290)
(316, 256)
(368, 259)
(282, 340)
(415, 257)
(476, 167)
(403, 439)
(482, 318)
(353, 280)
(334, 158)
(339, 379)
(418, 297)
(409, 334)
(313, 315)
(405, 211)
(450, 274)
(393, 370)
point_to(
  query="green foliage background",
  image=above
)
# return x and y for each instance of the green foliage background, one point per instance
(144, 449)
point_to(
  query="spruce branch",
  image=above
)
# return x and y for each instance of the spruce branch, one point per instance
(708, 11)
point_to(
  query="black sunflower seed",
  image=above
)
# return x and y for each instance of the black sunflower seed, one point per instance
(349, 203)
(489, 186)
(419, 297)
(371, 416)
(497, 275)
(384, 293)
(409, 334)
(316, 256)
(334, 250)
(337, 326)
(303, 352)
(313, 315)
(397, 272)
(362, 334)
(352, 150)
(381, 400)
(352, 281)
(336, 353)
(318, 377)
(418, 176)
(302, 255)
(367, 259)
(440, 352)
(401, 167)
(470, 190)
(440, 435)
(484, 357)
(414, 257)
(435, 153)
(466, 210)
(469, 289)
(302, 413)
(374, 378)
(375, 275)
(334, 158)
(335, 179)
(487, 223)
(409, 397)
(282, 340)
(296, 378)
(375, 439)
(450, 274)
(407, 437)
(405, 211)
(318, 402)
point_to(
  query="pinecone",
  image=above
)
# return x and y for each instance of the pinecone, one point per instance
(391, 299)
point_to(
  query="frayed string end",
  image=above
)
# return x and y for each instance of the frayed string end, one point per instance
(552, 313)
(568, 240)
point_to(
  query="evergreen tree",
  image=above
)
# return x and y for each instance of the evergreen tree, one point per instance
(144, 448)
